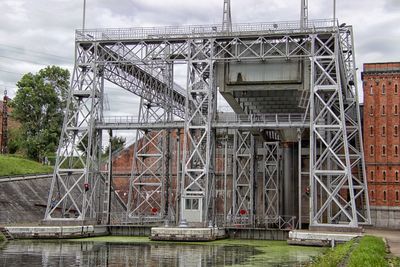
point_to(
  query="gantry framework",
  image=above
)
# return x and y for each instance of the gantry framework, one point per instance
(141, 60)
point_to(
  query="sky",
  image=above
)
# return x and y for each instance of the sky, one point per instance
(37, 33)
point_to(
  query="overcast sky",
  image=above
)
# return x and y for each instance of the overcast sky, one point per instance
(37, 33)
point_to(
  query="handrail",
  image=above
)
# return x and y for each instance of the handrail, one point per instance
(138, 33)
(221, 118)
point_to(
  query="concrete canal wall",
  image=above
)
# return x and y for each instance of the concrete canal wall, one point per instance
(23, 201)
(46, 232)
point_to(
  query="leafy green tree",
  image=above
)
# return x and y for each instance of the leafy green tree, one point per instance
(117, 143)
(38, 106)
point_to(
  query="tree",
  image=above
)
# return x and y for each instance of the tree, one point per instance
(116, 144)
(38, 106)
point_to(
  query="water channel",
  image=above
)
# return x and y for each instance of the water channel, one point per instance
(121, 251)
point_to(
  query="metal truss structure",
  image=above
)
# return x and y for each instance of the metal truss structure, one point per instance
(243, 178)
(76, 182)
(149, 174)
(140, 60)
(335, 148)
(271, 173)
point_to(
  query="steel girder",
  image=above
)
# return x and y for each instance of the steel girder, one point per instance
(144, 78)
(199, 139)
(259, 46)
(332, 184)
(271, 175)
(243, 178)
(75, 186)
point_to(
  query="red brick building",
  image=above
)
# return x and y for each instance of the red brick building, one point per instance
(381, 82)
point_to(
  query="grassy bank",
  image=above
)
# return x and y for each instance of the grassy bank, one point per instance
(365, 251)
(17, 166)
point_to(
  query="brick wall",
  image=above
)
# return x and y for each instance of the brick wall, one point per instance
(381, 83)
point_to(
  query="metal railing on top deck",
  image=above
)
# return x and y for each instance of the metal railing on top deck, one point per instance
(284, 119)
(139, 33)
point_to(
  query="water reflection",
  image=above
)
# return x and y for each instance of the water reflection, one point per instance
(32, 253)
(57, 253)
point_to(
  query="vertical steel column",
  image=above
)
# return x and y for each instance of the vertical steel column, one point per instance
(77, 172)
(149, 194)
(178, 177)
(198, 172)
(147, 184)
(304, 14)
(353, 125)
(227, 17)
(300, 190)
(271, 182)
(243, 178)
(108, 184)
(330, 137)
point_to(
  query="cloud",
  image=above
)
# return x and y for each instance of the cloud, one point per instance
(37, 33)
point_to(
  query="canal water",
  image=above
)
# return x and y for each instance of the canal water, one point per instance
(146, 253)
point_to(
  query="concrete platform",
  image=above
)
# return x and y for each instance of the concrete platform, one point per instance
(49, 232)
(313, 238)
(187, 234)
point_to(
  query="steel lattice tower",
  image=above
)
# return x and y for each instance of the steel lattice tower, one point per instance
(323, 114)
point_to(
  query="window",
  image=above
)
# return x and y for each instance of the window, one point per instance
(384, 176)
(396, 112)
(396, 176)
(395, 89)
(371, 130)
(397, 196)
(383, 130)
(383, 150)
(396, 130)
(372, 195)
(371, 175)
(384, 195)
(371, 150)
(192, 204)
(396, 150)
(371, 110)
(383, 110)
(383, 89)
(371, 90)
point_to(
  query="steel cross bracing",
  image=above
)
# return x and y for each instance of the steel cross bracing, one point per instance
(199, 139)
(148, 191)
(76, 181)
(135, 58)
(147, 184)
(144, 78)
(334, 133)
(353, 123)
(271, 182)
(243, 178)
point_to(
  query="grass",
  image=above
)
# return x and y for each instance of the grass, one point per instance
(17, 166)
(2, 238)
(334, 257)
(368, 251)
